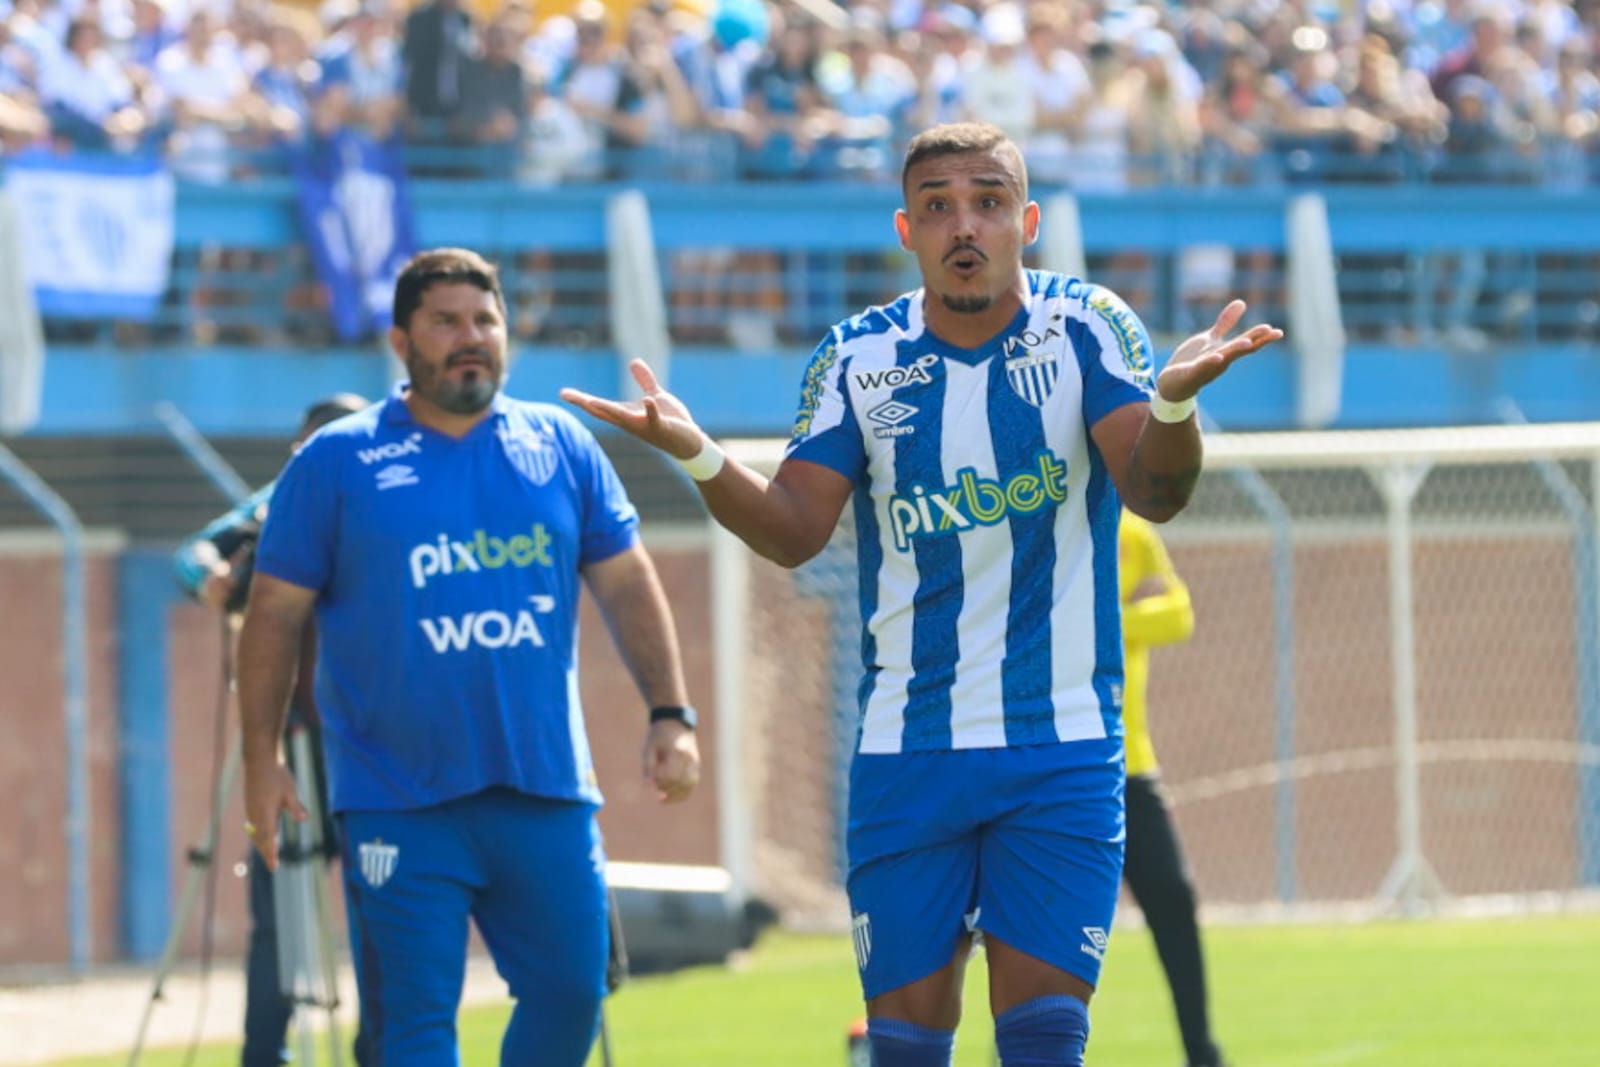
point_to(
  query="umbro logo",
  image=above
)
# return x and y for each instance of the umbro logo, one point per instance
(395, 475)
(888, 416)
(1095, 941)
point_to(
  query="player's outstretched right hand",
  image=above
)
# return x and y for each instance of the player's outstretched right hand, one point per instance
(657, 418)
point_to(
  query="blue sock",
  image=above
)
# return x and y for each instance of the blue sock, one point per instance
(1043, 1032)
(902, 1044)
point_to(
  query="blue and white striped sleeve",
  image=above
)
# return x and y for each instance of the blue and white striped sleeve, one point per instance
(1121, 372)
(825, 429)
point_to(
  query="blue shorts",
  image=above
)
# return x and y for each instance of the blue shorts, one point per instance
(1022, 843)
(530, 872)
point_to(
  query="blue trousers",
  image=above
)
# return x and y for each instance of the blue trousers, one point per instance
(530, 872)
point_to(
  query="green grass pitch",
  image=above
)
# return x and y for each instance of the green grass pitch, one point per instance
(1486, 993)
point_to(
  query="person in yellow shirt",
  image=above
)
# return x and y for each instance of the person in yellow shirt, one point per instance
(1156, 611)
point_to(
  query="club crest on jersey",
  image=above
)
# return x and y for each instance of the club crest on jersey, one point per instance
(531, 452)
(861, 935)
(377, 861)
(1032, 374)
(917, 373)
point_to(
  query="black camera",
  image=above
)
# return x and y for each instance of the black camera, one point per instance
(237, 545)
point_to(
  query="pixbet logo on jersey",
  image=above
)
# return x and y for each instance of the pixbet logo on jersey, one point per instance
(975, 501)
(480, 552)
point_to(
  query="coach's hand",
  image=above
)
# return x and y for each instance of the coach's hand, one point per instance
(1200, 360)
(269, 789)
(671, 760)
(658, 418)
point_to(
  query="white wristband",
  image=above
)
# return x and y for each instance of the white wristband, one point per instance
(1164, 410)
(705, 464)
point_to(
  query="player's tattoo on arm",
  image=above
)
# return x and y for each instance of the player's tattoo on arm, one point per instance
(1165, 492)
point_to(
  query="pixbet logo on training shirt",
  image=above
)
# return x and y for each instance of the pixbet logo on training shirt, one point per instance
(976, 501)
(480, 552)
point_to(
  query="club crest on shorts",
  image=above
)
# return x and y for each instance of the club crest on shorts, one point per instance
(861, 936)
(1032, 373)
(377, 861)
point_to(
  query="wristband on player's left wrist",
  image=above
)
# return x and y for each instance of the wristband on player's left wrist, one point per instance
(1170, 411)
(679, 713)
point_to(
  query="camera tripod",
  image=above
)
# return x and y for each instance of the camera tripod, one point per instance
(307, 963)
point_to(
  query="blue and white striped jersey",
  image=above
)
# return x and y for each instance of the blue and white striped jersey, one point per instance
(986, 520)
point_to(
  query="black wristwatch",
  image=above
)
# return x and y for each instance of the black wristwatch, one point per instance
(677, 713)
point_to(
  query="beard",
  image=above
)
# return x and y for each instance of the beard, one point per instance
(469, 395)
(967, 305)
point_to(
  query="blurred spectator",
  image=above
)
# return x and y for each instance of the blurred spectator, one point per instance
(1098, 123)
(950, 44)
(722, 61)
(496, 91)
(785, 105)
(87, 95)
(1490, 32)
(557, 142)
(21, 120)
(1059, 79)
(152, 33)
(1165, 130)
(648, 133)
(870, 92)
(1236, 118)
(600, 87)
(1574, 95)
(436, 49)
(999, 88)
(286, 83)
(360, 74)
(208, 96)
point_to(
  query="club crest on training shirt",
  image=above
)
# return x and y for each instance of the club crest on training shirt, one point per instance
(1031, 369)
(377, 861)
(531, 452)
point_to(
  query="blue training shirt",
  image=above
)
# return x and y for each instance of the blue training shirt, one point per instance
(986, 520)
(447, 573)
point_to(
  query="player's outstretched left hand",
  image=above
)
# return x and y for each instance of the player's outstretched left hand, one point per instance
(658, 418)
(671, 760)
(1201, 359)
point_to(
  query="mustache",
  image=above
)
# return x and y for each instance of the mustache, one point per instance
(959, 249)
(461, 355)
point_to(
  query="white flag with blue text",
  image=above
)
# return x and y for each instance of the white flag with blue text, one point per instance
(97, 232)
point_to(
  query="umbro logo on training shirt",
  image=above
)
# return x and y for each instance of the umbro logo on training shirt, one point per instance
(395, 475)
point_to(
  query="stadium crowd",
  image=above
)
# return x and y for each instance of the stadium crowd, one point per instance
(1102, 94)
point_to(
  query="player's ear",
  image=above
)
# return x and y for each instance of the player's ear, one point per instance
(399, 343)
(902, 226)
(1030, 222)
